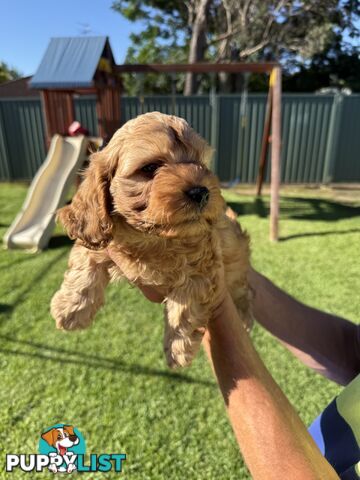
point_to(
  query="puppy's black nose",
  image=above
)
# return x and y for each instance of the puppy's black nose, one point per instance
(199, 195)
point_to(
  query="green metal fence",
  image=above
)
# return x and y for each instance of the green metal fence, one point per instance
(320, 134)
(22, 146)
(346, 164)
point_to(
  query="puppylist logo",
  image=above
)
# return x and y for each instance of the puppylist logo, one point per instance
(62, 450)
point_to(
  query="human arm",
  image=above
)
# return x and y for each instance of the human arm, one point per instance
(328, 344)
(272, 438)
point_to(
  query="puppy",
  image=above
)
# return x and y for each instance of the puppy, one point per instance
(150, 197)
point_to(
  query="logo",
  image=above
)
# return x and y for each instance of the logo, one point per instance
(62, 450)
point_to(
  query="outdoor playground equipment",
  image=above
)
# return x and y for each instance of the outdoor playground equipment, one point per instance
(74, 66)
(85, 65)
(33, 226)
(272, 117)
(70, 67)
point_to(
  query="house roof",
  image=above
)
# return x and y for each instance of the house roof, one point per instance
(17, 88)
(70, 62)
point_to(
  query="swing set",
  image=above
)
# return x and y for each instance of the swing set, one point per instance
(86, 66)
(272, 123)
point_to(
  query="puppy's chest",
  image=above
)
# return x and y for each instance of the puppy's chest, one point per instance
(169, 265)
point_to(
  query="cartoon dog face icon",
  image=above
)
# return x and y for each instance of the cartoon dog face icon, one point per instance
(61, 439)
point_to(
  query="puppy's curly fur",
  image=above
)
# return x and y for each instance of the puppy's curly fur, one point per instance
(135, 199)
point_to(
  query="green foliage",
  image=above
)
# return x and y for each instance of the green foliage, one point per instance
(294, 33)
(150, 52)
(111, 381)
(336, 66)
(7, 73)
(159, 42)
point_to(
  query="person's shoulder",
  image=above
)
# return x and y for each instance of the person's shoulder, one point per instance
(348, 404)
(336, 430)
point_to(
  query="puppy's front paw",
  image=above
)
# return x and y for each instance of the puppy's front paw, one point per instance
(73, 312)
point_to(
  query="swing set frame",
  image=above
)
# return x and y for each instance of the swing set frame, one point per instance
(272, 117)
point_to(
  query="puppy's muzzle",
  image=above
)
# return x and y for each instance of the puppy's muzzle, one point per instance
(199, 195)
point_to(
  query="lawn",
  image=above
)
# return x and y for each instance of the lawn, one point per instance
(111, 381)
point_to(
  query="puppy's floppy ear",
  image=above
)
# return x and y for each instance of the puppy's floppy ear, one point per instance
(88, 217)
(50, 436)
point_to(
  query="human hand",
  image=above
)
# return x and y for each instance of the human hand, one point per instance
(154, 295)
(149, 292)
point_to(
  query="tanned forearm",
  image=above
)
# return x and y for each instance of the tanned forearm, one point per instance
(272, 438)
(328, 344)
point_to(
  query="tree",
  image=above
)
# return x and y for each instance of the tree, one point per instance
(336, 66)
(161, 40)
(290, 31)
(197, 20)
(7, 73)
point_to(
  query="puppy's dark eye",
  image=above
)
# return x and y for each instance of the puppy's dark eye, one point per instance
(150, 168)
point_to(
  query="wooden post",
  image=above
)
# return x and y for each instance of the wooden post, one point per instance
(59, 112)
(70, 108)
(100, 114)
(275, 153)
(264, 143)
(46, 110)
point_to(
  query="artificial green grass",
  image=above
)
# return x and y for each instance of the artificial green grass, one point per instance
(111, 381)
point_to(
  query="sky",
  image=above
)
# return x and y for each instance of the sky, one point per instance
(28, 25)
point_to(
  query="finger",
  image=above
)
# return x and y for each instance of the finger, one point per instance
(151, 294)
(113, 256)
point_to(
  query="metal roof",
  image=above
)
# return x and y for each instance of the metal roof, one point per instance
(69, 62)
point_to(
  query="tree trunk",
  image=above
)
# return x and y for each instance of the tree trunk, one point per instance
(229, 82)
(197, 44)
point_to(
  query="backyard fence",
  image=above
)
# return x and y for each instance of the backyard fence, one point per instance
(320, 133)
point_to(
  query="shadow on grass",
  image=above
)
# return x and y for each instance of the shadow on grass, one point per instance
(22, 259)
(24, 292)
(5, 308)
(317, 209)
(319, 234)
(63, 356)
(298, 208)
(257, 207)
(59, 241)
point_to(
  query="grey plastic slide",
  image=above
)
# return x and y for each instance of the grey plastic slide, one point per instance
(33, 226)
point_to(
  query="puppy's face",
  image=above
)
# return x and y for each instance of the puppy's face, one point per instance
(162, 183)
(153, 175)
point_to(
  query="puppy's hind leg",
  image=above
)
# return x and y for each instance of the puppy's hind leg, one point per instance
(183, 333)
(82, 291)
